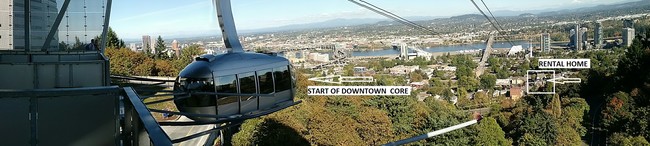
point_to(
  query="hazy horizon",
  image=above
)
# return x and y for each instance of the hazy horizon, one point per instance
(195, 18)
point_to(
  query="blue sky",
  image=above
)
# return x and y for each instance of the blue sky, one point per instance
(181, 18)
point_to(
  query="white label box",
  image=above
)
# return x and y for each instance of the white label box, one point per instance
(359, 90)
(564, 63)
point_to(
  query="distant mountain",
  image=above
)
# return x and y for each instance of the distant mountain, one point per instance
(527, 15)
(503, 13)
(475, 17)
(333, 23)
(565, 9)
(468, 16)
(637, 4)
(315, 25)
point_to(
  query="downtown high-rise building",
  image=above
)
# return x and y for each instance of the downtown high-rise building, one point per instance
(598, 35)
(628, 23)
(152, 45)
(176, 48)
(146, 43)
(628, 32)
(572, 38)
(133, 47)
(545, 42)
(584, 43)
(13, 25)
(578, 38)
(628, 36)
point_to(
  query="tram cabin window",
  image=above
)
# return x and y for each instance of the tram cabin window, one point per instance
(226, 104)
(198, 85)
(247, 86)
(282, 78)
(265, 78)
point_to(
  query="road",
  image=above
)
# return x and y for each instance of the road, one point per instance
(176, 132)
(597, 137)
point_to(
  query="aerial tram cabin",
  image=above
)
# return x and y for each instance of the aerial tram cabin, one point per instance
(243, 83)
(234, 84)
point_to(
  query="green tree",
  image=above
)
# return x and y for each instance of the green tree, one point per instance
(617, 112)
(481, 98)
(160, 48)
(187, 56)
(146, 68)
(78, 45)
(348, 70)
(619, 139)
(502, 73)
(380, 132)
(164, 68)
(531, 125)
(113, 40)
(399, 109)
(464, 71)
(464, 60)
(488, 81)
(489, 133)
(440, 74)
(468, 83)
(443, 115)
(64, 46)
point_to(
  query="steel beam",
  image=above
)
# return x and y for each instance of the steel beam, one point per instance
(27, 25)
(56, 24)
(107, 18)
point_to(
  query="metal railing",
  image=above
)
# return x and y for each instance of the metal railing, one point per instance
(137, 117)
(141, 128)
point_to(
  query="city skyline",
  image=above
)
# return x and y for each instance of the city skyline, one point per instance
(132, 19)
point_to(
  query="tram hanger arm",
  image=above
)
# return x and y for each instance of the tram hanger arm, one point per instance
(227, 25)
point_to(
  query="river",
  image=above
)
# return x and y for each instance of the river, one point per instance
(437, 49)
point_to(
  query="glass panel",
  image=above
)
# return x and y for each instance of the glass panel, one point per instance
(247, 86)
(13, 26)
(42, 15)
(82, 23)
(265, 78)
(227, 105)
(247, 83)
(6, 18)
(199, 85)
(282, 78)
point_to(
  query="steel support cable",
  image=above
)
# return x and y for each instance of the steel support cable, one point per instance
(384, 14)
(495, 20)
(397, 16)
(139, 78)
(488, 18)
(477, 118)
(390, 15)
